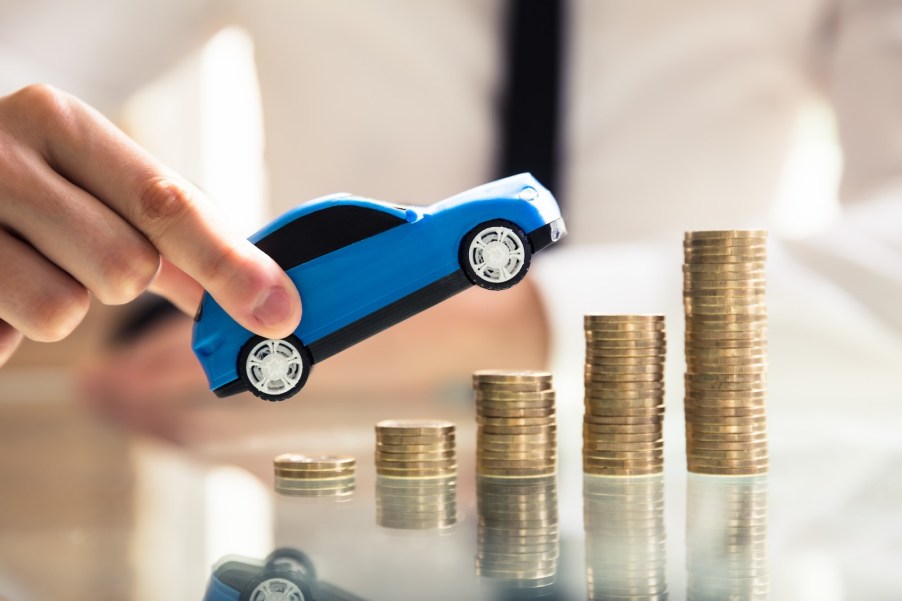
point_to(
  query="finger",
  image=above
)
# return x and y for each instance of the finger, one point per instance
(177, 286)
(39, 299)
(10, 338)
(75, 231)
(175, 217)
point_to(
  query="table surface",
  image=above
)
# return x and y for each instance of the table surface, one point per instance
(89, 511)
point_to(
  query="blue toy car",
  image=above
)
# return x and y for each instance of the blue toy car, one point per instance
(362, 265)
(286, 575)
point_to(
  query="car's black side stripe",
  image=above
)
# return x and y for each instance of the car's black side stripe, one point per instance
(389, 315)
(375, 322)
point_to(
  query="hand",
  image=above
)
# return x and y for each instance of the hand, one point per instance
(84, 210)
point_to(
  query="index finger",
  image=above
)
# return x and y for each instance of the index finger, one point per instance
(174, 215)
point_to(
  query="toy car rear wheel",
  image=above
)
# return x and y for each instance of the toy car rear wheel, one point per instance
(277, 585)
(495, 255)
(274, 370)
(289, 558)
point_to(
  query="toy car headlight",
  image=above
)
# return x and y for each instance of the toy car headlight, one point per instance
(528, 193)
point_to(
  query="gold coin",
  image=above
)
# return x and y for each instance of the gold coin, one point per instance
(504, 376)
(542, 471)
(288, 460)
(652, 353)
(622, 428)
(632, 412)
(438, 464)
(544, 396)
(692, 276)
(416, 448)
(416, 473)
(623, 420)
(424, 456)
(535, 387)
(653, 318)
(605, 438)
(394, 439)
(508, 438)
(414, 427)
(590, 447)
(720, 235)
(515, 421)
(513, 412)
(729, 412)
(654, 368)
(516, 430)
(703, 281)
(313, 475)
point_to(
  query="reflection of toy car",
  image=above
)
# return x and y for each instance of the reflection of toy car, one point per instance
(287, 574)
(362, 265)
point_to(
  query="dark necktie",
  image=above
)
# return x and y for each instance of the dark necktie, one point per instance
(529, 108)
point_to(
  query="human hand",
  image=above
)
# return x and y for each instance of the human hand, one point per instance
(84, 210)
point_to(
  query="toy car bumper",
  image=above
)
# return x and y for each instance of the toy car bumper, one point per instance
(547, 235)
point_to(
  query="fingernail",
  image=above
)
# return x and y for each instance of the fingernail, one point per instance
(274, 309)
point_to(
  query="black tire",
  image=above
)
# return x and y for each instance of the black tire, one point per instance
(277, 581)
(289, 558)
(296, 379)
(495, 279)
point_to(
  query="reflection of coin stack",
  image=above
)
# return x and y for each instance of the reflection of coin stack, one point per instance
(517, 543)
(624, 402)
(726, 352)
(726, 537)
(314, 476)
(415, 448)
(516, 433)
(416, 503)
(625, 537)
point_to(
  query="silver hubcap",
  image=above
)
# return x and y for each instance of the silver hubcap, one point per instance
(277, 589)
(274, 366)
(496, 254)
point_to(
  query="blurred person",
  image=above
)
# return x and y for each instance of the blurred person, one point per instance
(673, 116)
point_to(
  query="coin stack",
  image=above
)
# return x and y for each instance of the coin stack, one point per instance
(726, 352)
(726, 538)
(314, 475)
(624, 395)
(625, 537)
(515, 413)
(416, 503)
(415, 448)
(517, 532)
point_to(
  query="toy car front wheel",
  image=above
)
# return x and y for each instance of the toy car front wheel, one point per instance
(274, 369)
(277, 585)
(495, 255)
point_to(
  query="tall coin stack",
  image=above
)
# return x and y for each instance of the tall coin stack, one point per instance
(314, 475)
(624, 395)
(726, 351)
(416, 503)
(517, 535)
(415, 448)
(625, 537)
(515, 414)
(726, 538)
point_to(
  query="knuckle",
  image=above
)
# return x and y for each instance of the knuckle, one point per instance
(125, 275)
(56, 313)
(43, 101)
(162, 201)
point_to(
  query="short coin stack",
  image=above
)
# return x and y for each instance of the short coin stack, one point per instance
(624, 395)
(726, 352)
(515, 413)
(517, 534)
(415, 448)
(625, 537)
(314, 475)
(726, 538)
(416, 503)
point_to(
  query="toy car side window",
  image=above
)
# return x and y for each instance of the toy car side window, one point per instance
(324, 231)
